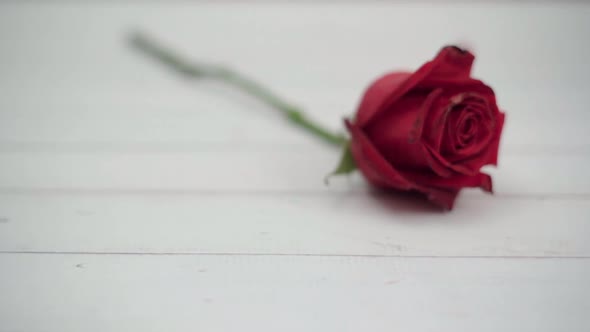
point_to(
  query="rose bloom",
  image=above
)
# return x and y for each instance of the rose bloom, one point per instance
(429, 131)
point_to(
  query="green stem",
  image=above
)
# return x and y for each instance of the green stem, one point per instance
(196, 70)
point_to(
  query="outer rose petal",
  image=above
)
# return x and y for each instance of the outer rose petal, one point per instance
(480, 180)
(373, 165)
(382, 174)
(396, 133)
(493, 149)
(450, 63)
(453, 86)
(444, 167)
(377, 93)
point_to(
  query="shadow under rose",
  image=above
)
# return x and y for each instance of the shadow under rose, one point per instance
(407, 202)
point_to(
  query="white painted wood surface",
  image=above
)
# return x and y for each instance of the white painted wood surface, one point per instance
(291, 293)
(131, 200)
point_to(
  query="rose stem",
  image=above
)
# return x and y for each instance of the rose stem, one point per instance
(197, 71)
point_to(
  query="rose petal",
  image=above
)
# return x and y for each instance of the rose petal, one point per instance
(427, 106)
(380, 173)
(481, 180)
(491, 154)
(450, 63)
(376, 95)
(459, 144)
(373, 165)
(453, 86)
(443, 167)
(396, 133)
(444, 158)
(434, 124)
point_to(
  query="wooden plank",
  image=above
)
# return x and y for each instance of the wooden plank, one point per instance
(229, 170)
(330, 224)
(257, 293)
(221, 119)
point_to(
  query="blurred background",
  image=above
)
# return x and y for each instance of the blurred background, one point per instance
(72, 60)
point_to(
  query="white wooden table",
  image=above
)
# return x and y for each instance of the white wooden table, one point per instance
(132, 200)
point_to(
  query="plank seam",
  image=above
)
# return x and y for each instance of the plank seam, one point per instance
(124, 253)
(261, 193)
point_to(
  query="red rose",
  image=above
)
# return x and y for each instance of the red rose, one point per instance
(429, 131)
